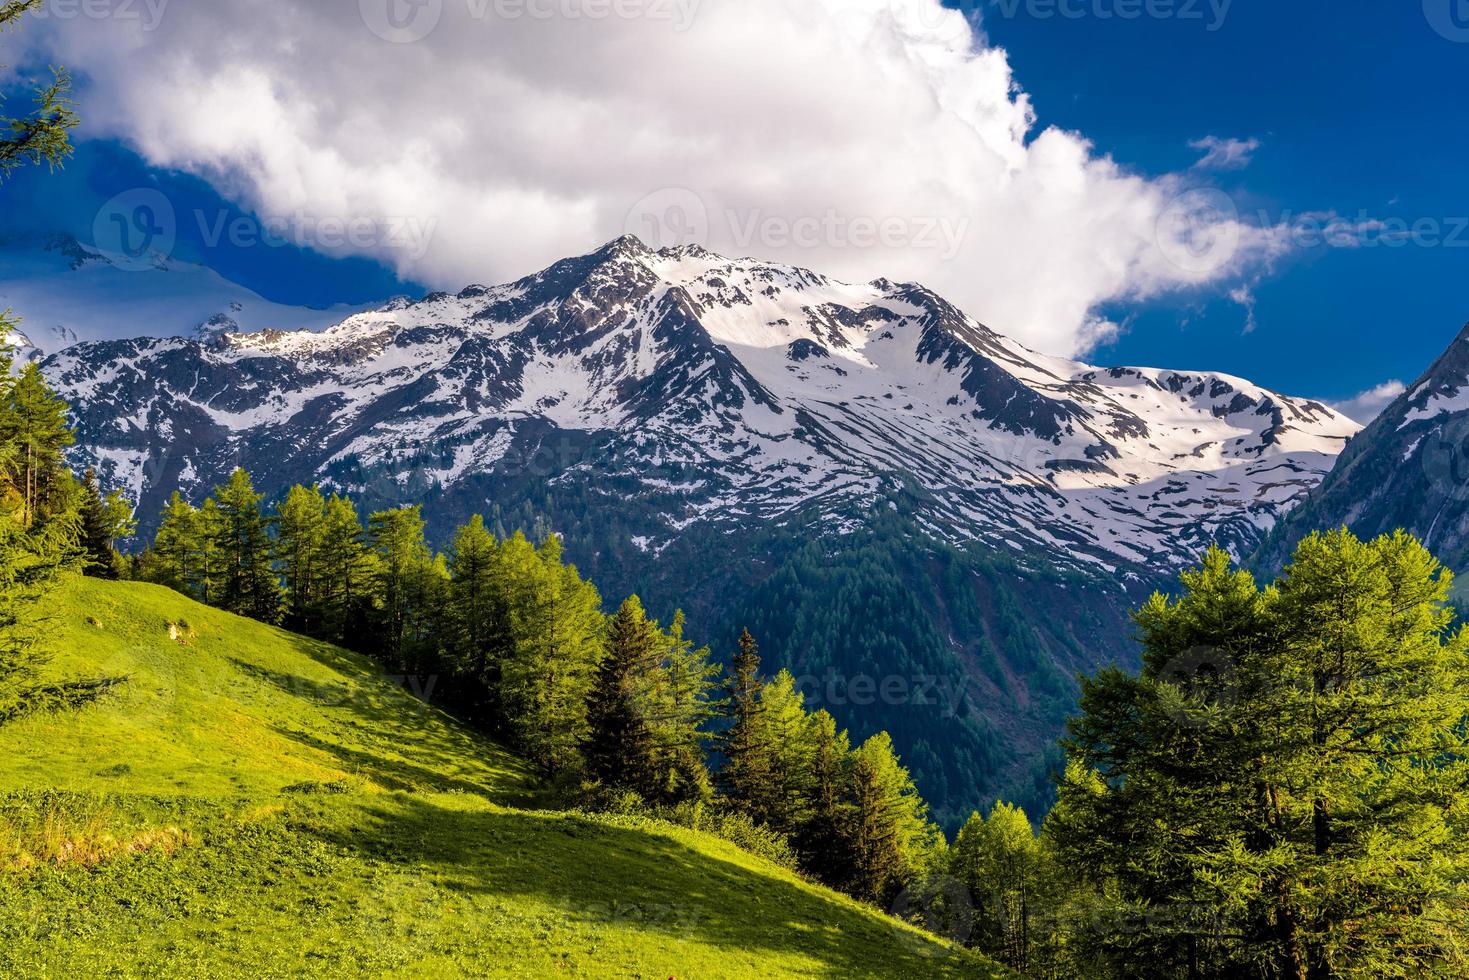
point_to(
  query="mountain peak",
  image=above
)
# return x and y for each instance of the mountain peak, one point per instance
(781, 393)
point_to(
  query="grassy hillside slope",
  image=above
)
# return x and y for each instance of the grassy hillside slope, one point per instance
(249, 802)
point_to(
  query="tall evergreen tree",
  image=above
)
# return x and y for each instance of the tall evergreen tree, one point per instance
(1001, 862)
(826, 833)
(620, 750)
(685, 698)
(477, 626)
(104, 519)
(892, 840)
(1305, 796)
(300, 524)
(36, 432)
(176, 559)
(748, 778)
(250, 586)
(348, 571)
(403, 563)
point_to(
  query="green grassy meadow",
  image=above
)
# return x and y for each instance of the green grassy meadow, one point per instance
(247, 802)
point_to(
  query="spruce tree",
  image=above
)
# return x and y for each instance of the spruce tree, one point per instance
(748, 778)
(1002, 864)
(104, 519)
(892, 840)
(477, 625)
(686, 699)
(176, 554)
(825, 836)
(36, 432)
(619, 749)
(559, 678)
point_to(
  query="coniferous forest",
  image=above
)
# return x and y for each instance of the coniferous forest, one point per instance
(290, 731)
(1280, 792)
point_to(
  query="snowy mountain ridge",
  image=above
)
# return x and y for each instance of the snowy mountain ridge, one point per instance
(724, 391)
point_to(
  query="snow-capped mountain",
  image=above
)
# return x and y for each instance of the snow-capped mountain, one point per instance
(722, 393)
(1409, 469)
(66, 292)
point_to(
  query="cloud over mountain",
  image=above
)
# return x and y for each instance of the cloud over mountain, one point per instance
(863, 137)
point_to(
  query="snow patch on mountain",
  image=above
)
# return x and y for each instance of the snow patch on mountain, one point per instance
(731, 391)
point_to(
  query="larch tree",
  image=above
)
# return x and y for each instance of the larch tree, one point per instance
(300, 526)
(250, 586)
(403, 563)
(1299, 807)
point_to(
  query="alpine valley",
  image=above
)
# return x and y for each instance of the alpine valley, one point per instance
(935, 528)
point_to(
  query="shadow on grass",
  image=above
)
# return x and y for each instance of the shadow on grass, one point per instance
(644, 881)
(405, 744)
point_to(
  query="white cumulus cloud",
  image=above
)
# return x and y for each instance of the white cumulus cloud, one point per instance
(1370, 403)
(487, 138)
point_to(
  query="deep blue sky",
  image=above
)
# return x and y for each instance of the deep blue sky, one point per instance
(1360, 107)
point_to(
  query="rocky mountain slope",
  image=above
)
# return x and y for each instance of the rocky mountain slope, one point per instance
(1408, 469)
(884, 488)
(732, 391)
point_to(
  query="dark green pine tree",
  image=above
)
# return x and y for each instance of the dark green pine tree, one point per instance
(748, 779)
(824, 839)
(250, 586)
(620, 750)
(104, 519)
